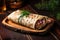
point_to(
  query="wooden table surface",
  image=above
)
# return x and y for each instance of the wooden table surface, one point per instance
(7, 34)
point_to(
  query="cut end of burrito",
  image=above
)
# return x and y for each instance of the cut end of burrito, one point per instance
(40, 24)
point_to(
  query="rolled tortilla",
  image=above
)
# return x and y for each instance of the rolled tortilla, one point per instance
(33, 21)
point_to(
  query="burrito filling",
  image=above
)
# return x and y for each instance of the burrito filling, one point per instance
(40, 23)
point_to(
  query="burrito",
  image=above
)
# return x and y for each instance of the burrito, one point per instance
(28, 19)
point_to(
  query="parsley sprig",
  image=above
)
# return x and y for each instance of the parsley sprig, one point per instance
(23, 13)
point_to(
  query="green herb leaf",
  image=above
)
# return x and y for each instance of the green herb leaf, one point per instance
(25, 13)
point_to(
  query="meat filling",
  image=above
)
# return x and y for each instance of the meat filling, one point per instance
(40, 24)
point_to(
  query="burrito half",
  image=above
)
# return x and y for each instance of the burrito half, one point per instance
(29, 20)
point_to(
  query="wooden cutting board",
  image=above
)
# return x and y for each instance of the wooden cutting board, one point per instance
(11, 24)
